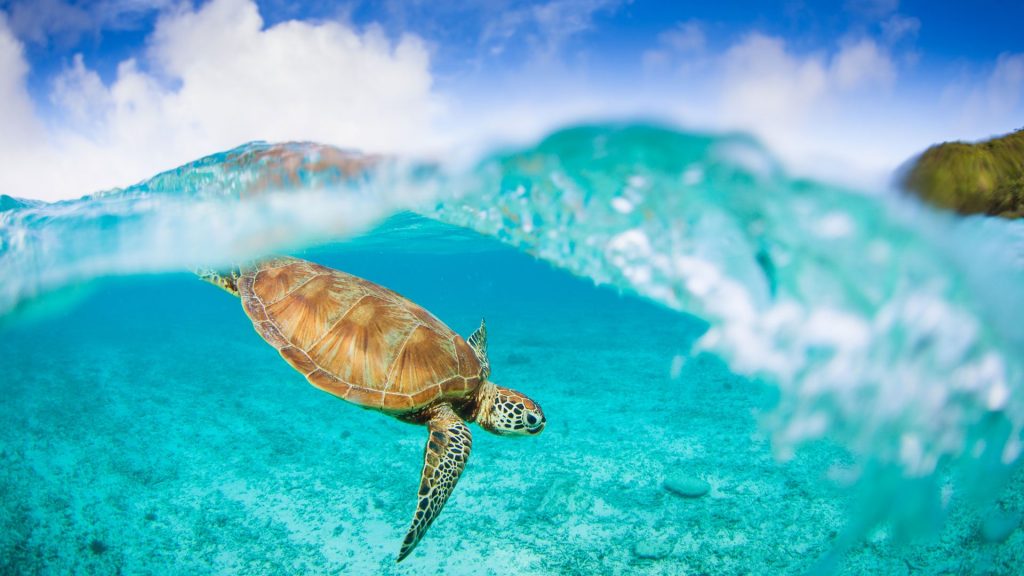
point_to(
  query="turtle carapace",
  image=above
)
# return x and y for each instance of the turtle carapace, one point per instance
(374, 348)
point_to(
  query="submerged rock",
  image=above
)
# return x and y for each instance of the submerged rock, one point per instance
(517, 359)
(562, 499)
(998, 526)
(652, 549)
(687, 486)
(98, 547)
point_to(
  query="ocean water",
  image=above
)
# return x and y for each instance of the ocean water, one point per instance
(840, 370)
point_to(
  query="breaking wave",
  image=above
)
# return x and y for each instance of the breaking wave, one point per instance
(890, 328)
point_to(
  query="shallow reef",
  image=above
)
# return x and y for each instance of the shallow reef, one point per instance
(151, 431)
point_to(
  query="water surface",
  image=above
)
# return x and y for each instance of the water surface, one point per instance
(843, 369)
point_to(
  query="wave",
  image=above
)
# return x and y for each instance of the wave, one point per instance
(893, 329)
(251, 200)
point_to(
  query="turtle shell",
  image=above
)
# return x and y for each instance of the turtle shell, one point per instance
(354, 339)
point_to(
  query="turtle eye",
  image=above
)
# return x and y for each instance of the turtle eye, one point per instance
(534, 421)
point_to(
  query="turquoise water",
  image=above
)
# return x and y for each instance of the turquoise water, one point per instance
(842, 369)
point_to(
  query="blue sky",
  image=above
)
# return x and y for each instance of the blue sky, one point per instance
(948, 34)
(841, 89)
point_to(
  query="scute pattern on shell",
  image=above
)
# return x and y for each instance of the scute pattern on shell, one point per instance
(355, 339)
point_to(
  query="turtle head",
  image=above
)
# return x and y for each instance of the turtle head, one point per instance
(505, 412)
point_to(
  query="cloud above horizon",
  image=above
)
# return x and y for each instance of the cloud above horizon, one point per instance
(210, 79)
(792, 101)
(213, 76)
(45, 21)
(16, 115)
(850, 111)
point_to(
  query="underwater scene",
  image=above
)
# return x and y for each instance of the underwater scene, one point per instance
(735, 371)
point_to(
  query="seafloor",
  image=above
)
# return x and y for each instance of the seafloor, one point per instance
(149, 430)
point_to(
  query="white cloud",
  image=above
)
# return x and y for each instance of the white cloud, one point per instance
(815, 110)
(16, 113)
(81, 95)
(684, 41)
(862, 63)
(546, 27)
(898, 27)
(213, 78)
(1006, 84)
(988, 104)
(685, 37)
(764, 85)
(37, 21)
(872, 8)
(40, 21)
(835, 113)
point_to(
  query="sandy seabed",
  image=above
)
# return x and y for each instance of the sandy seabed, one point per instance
(150, 431)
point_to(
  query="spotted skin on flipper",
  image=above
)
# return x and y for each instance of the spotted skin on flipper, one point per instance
(444, 459)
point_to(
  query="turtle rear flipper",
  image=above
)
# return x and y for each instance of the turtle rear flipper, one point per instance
(443, 461)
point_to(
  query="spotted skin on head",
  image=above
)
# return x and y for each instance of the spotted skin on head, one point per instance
(444, 459)
(509, 413)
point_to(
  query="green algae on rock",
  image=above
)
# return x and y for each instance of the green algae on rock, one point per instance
(981, 178)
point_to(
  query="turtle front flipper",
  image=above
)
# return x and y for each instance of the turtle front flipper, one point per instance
(443, 461)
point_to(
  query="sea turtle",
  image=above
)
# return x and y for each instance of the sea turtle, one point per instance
(370, 346)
